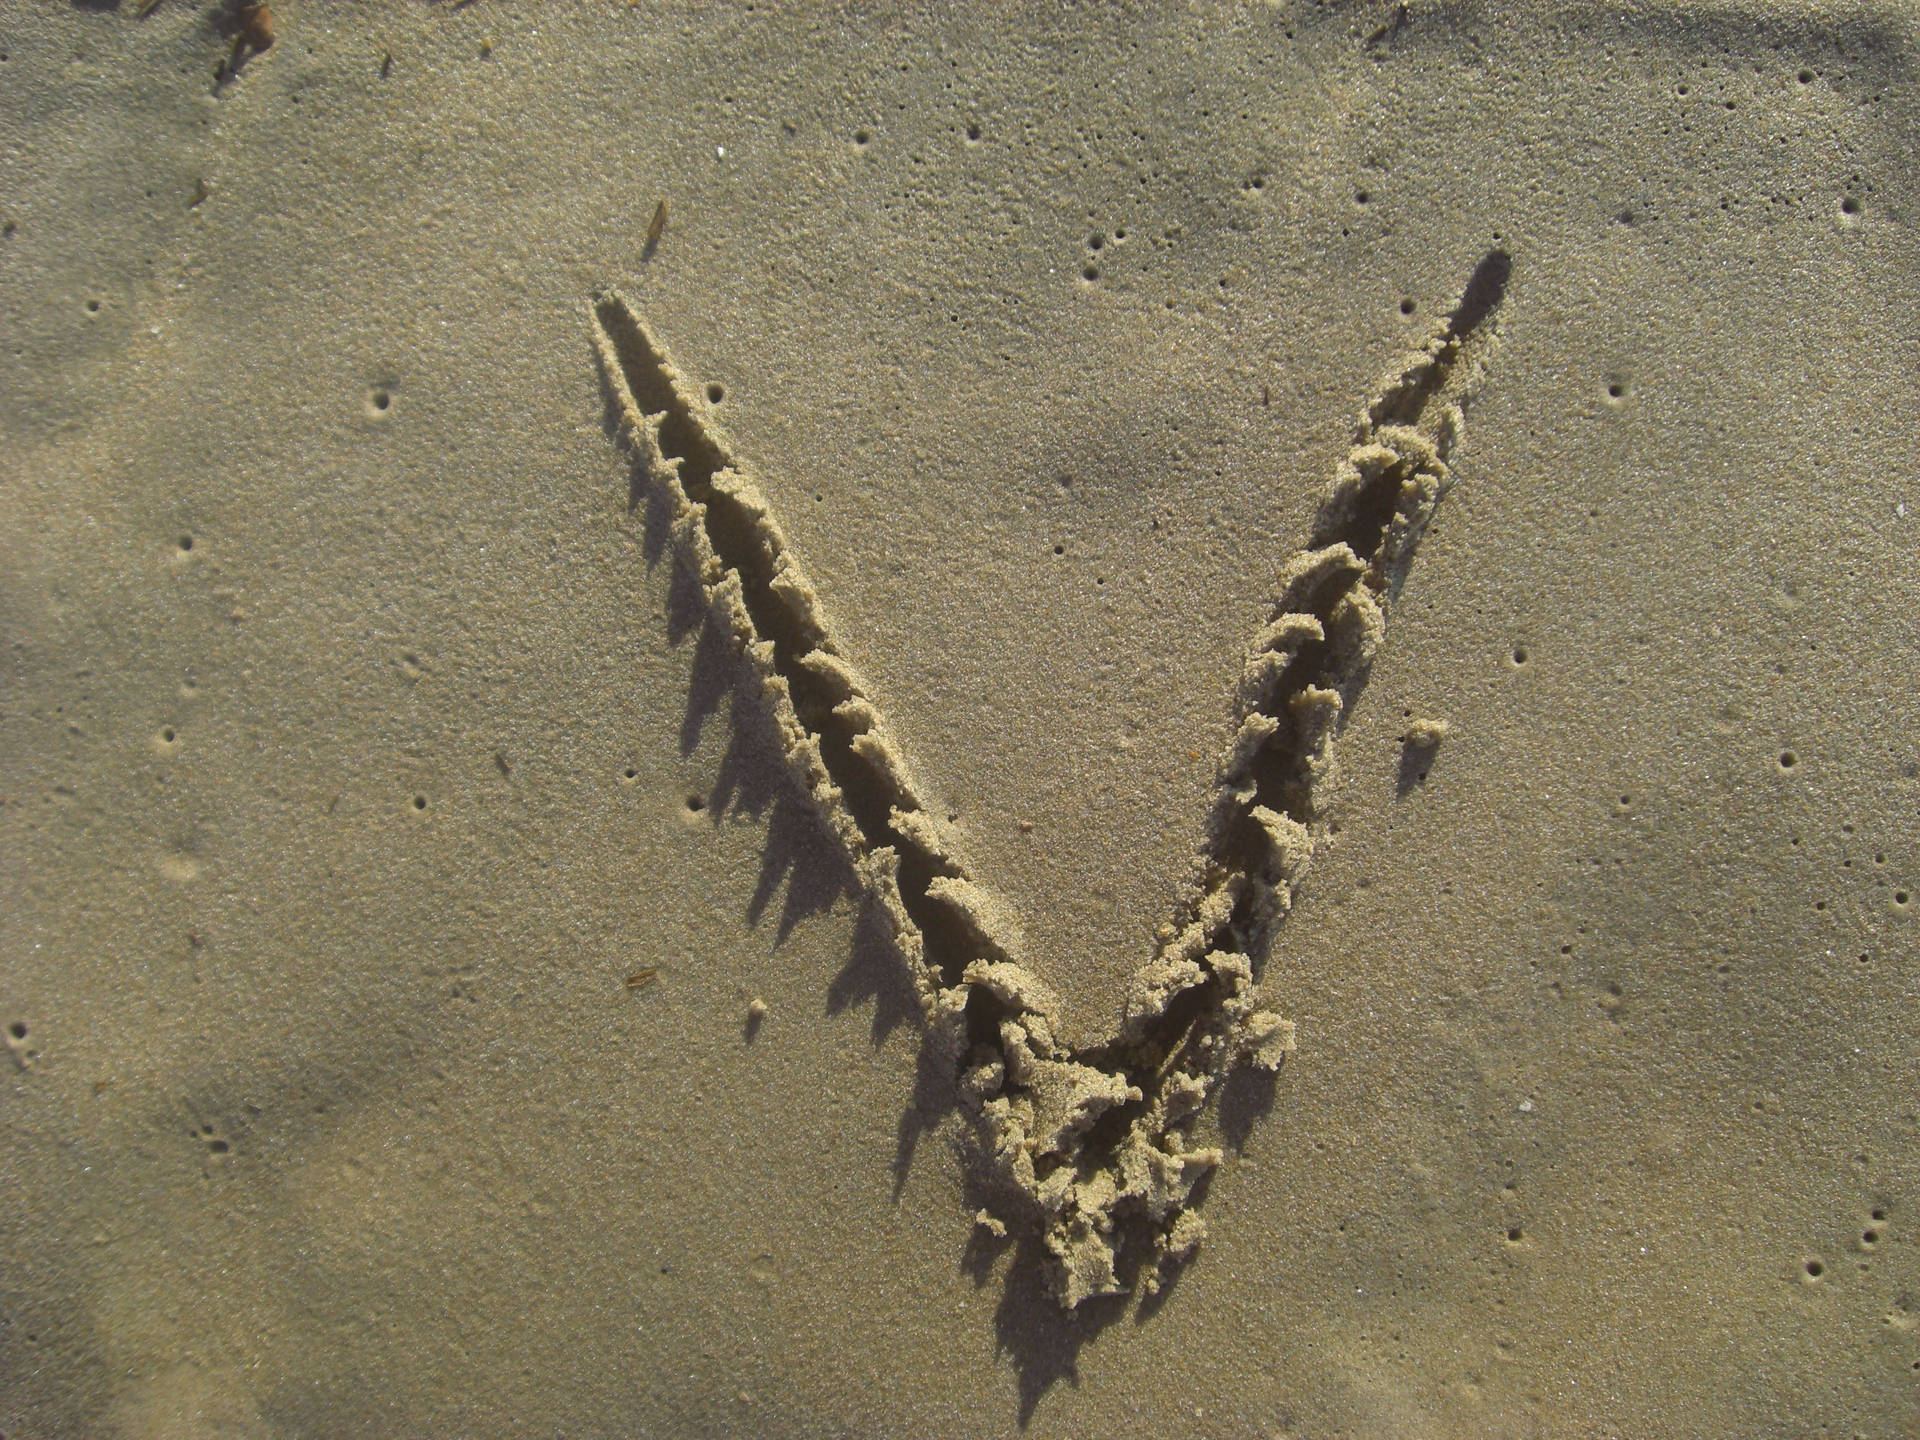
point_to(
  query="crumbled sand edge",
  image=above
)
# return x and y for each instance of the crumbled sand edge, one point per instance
(1088, 1143)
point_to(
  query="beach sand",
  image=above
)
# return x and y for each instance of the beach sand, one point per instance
(435, 1008)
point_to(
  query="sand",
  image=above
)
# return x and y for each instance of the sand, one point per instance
(435, 1003)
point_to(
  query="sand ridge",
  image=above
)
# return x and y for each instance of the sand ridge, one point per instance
(1085, 1143)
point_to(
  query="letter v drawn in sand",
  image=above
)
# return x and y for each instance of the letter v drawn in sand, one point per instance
(1085, 1145)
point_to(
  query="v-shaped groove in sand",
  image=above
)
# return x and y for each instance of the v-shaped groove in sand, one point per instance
(1087, 1145)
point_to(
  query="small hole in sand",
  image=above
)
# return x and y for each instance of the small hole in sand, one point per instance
(1900, 897)
(166, 734)
(716, 393)
(1406, 306)
(1616, 390)
(18, 1029)
(1869, 1238)
(862, 137)
(1361, 197)
(696, 803)
(419, 802)
(1815, 1269)
(381, 400)
(185, 543)
(1091, 272)
(1059, 549)
(1788, 759)
(629, 773)
(973, 134)
(1096, 240)
(1805, 77)
(1849, 206)
(1519, 654)
(1877, 1214)
(1516, 1235)
(93, 307)
(218, 1147)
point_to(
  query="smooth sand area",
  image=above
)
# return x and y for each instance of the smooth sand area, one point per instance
(433, 1006)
